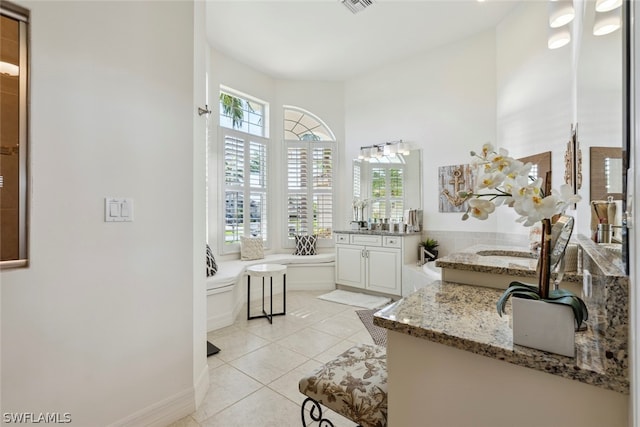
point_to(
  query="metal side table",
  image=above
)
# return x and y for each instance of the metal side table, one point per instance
(270, 271)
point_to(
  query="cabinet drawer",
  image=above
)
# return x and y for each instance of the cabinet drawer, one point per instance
(392, 241)
(364, 239)
(342, 238)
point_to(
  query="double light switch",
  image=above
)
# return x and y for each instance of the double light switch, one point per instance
(118, 209)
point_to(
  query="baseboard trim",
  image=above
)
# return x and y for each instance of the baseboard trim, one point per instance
(311, 286)
(163, 412)
(201, 386)
(220, 321)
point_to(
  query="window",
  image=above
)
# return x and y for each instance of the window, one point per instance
(14, 161)
(245, 154)
(310, 157)
(242, 113)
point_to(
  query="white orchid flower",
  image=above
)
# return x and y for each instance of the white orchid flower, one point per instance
(501, 161)
(535, 207)
(481, 208)
(566, 197)
(516, 168)
(505, 180)
(491, 180)
(486, 150)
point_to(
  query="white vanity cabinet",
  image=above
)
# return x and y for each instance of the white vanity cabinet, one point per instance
(374, 261)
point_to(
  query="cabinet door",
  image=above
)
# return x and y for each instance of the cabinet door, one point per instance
(350, 265)
(384, 270)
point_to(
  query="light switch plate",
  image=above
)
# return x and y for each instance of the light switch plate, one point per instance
(118, 209)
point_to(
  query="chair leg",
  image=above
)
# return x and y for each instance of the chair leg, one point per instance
(315, 413)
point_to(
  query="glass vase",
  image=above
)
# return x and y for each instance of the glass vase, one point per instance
(544, 262)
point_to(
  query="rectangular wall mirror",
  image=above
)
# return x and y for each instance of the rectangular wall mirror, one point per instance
(13, 137)
(390, 184)
(605, 170)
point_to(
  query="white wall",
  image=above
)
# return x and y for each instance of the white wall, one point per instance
(541, 92)
(599, 100)
(101, 325)
(199, 223)
(534, 104)
(442, 101)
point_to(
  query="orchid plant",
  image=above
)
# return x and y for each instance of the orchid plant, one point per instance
(503, 180)
(358, 208)
(359, 203)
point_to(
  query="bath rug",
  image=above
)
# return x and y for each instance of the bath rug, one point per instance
(378, 334)
(356, 299)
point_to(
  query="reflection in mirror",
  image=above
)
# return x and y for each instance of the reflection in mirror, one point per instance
(541, 164)
(13, 136)
(391, 184)
(606, 194)
(600, 111)
(606, 173)
(560, 235)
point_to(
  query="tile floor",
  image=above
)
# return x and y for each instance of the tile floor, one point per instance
(254, 378)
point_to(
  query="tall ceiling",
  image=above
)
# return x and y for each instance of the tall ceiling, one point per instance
(322, 40)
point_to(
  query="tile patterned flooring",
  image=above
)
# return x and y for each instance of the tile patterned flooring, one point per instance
(254, 378)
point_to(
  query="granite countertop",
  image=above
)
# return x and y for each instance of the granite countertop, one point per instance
(377, 233)
(465, 317)
(496, 259)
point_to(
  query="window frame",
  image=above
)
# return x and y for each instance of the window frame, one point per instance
(246, 188)
(289, 242)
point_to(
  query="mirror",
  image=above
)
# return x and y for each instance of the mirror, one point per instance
(541, 164)
(390, 184)
(600, 92)
(560, 235)
(605, 171)
(13, 140)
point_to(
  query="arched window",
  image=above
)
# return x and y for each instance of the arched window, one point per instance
(301, 125)
(310, 150)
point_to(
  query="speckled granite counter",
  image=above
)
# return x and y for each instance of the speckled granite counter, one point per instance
(518, 262)
(376, 233)
(504, 260)
(465, 317)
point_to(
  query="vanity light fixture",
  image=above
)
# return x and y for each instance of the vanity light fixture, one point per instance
(561, 12)
(607, 5)
(558, 37)
(607, 22)
(404, 148)
(389, 149)
(356, 6)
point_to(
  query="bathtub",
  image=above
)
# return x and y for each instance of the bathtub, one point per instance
(432, 271)
(416, 277)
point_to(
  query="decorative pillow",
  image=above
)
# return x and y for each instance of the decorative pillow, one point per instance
(306, 245)
(212, 266)
(251, 248)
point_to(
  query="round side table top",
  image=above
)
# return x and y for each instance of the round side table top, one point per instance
(266, 269)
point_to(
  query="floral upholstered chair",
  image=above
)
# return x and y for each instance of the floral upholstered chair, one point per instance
(353, 385)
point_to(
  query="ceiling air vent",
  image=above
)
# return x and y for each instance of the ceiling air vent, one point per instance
(356, 6)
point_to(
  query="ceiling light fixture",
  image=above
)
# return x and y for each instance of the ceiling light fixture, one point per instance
(607, 22)
(356, 6)
(561, 12)
(607, 5)
(9, 69)
(558, 37)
